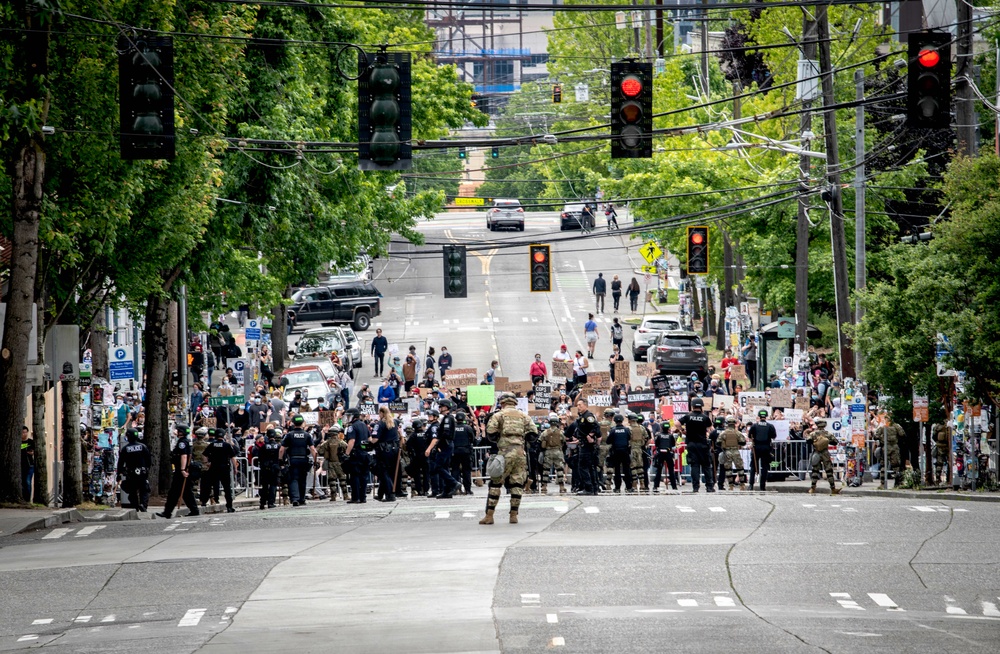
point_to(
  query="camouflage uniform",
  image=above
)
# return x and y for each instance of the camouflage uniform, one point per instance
(508, 427)
(636, 445)
(331, 450)
(890, 436)
(603, 448)
(731, 441)
(821, 441)
(942, 443)
(553, 441)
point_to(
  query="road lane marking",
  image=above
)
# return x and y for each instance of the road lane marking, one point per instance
(924, 509)
(591, 509)
(441, 515)
(724, 601)
(557, 641)
(990, 609)
(192, 618)
(83, 618)
(560, 508)
(716, 509)
(685, 509)
(846, 601)
(108, 618)
(86, 531)
(23, 639)
(551, 618)
(56, 533)
(686, 601)
(883, 600)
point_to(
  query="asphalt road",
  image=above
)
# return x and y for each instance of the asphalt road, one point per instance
(693, 573)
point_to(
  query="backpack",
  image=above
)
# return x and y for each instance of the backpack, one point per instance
(616, 332)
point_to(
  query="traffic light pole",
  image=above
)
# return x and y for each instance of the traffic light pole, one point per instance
(838, 239)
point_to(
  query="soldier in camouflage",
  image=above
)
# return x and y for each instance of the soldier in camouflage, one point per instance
(553, 441)
(730, 442)
(508, 428)
(637, 443)
(942, 443)
(890, 436)
(332, 449)
(821, 441)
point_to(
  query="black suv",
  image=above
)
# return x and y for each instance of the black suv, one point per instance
(354, 302)
(572, 216)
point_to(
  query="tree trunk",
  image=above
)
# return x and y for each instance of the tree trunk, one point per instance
(29, 173)
(38, 433)
(72, 459)
(173, 349)
(99, 345)
(156, 432)
(279, 337)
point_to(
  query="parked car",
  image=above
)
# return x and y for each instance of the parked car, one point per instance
(572, 216)
(680, 352)
(505, 213)
(354, 346)
(647, 331)
(354, 302)
(316, 345)
(309, 379)
(361, 269)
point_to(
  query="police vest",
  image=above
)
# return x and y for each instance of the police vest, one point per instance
(298, 445)
(464, 437)
(619, 437)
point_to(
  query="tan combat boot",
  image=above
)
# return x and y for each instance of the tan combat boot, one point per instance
(545, 489)
(562, 489)
(834, 490)
(513, 517)
(487, 519)
(812, 491)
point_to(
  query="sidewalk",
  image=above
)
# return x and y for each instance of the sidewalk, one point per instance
(16, 521)
(870, 489)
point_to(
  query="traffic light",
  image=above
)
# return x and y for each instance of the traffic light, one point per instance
(384, 111)
(697, 260)
(556, 93)
(540, 260)
(631, 110)
(462, 154)
(456, 281)
(928, 92)
(146, 97)
(495, 153)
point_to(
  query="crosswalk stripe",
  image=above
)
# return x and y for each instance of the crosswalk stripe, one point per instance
(721, 600)
(108, 618)
(990, 609)
(23, 639)
(716, 509)
(955, 610)
(686, 509)
(56, 533)
(561, 508)
(83, 618)
(591, 509)
(551, 618)
(844, 599)
(86, 531)
(42, 621)
(883, 600)
(439, 515)
(192, 618)
(687, 602)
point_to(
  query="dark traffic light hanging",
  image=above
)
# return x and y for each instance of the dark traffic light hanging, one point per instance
(456, 280)
(146, 96)
(384, 111)
(540, 264)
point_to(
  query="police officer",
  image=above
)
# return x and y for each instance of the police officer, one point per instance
(439, 452)
(297, 445)
(386, 441)
(553, 441)
(431, 434)
(821, 441)
(730, 442)
(507, 428)
(222, 458)
(637, 445)
(179, 487)
(696, 425)
(663, 446)
(620, 453)
(762, 435)
(134, 462)
(604, 450)
(464, 437)
(357, 455)
(587, 435)
(416, 446)
(331, 450)
(269, 464)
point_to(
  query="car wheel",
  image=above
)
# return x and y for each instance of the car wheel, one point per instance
(636, 356)
(521, 228)
(362, 321)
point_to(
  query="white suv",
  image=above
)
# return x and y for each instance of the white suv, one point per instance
(647, 332)
(505, 213)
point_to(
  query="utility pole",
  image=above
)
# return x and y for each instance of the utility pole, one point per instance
(965, 108)
(838, 240)
(860, 255)
(659, 27)
(704, 48)
(649, 31)
(729, 274)
(808, 49)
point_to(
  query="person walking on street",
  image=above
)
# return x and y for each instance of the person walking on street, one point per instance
(616, 291)
(590, 335)
(380, 344)
(444, 362)
(538, 372)
(587, 220)
(617, 335)
(180, 488)
(633, 294)
(600, 289)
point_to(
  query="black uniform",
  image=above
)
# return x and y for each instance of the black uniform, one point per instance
(359, 461)
(297, 443)
(180, 488)
(461, 461)
(442, 483)
(696, 426)
(219, 454)
(762, 434)
(134, 463)
(588, 432)
(416, 446)
(664, 444)
(620, 455)
(386, 459)
(267, 461)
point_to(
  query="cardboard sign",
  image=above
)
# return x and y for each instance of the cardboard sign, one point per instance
(782, 397)
(519, 387)
(679, 405)
(641, 402)
(562, 370)
(753, 398)
(666, 412)
(707, 403)
(600, 380)
(459, 377)
(622, 372)
(368, 409)
(645, 370)
(522, 404)
(802, 403)
(398, 407)
(724, 402)
(311, 417)
(599, 400)
(538, 413)
(921, 410)
(480, 395)
(792, 415)
(327, 418)
(543, 396)
(661, 385)
(500, 383)
(738, 372)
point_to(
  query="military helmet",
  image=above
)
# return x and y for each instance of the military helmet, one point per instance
(507, 398)
(697, 403)
(433, 413)
(820, 422)
(461, 417)
(554, 416)
(762, 413)
(298, 420)
(336, 429)
(731, 420)
(202, 431)
(609, 412)
(619, 418)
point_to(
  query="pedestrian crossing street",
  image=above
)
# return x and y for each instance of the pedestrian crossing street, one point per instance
(949, 605)
(45, 628)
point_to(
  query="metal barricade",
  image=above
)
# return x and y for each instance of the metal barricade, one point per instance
(479, 456)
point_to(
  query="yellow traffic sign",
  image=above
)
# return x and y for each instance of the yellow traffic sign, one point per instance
(651, 270)
(469, 202)
(650, 251)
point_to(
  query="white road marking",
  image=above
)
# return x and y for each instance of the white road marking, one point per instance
(883, 600)
(724, 601)
(809, 506)
(861, 634)
(591, 509)
(659, 611)
(560, 508)
(557, 641)
(685, 509)
(960, 510)
(990, 609)
(108, 618)
(192, 618)
(955, 610)
(852, 543)
(440, 515)
(847, 602)
(468, 514)
(716, 509)
(86, 531)
(231, 609)
(582, 269)
(27, 638)
(56, 533)
(524, 318)
(83, 618)
(925, 509)
(551, 618)
(686, 601)
(42, 621)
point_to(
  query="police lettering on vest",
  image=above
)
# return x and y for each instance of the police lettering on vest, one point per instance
(618, 437)
(697, 426)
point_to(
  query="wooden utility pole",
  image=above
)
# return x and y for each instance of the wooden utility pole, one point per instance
(965, 108)
(838, 239)
(808, 49)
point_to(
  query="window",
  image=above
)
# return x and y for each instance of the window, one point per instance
(679, 341)
(314, 295)
(662, 325)
(345, 291)
(305, 377)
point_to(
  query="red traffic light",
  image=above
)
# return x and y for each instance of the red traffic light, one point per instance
(539, 256)
(631, 86)
(697, 238)
(929, 57)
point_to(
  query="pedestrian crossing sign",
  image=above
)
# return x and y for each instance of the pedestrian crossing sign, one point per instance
(649, 270)
(650, 251)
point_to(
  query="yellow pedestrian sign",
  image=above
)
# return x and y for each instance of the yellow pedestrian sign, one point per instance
(650, 251)
(649, 270)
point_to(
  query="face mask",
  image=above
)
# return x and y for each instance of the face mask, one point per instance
(257, 401)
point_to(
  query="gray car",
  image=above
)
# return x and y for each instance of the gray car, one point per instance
(679, 352)
(505, 213)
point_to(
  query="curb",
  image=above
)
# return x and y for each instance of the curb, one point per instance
(72, 516)
(906, 494)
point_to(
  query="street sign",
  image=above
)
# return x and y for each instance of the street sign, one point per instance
(921, 408)
(648, 276)
(121, 365)
(253, 330)
(942, 350)
(582, 93)
(227, 400)
(650, 251)
(786, 327)
(649, 270)
(469, 202)
(240, 368)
